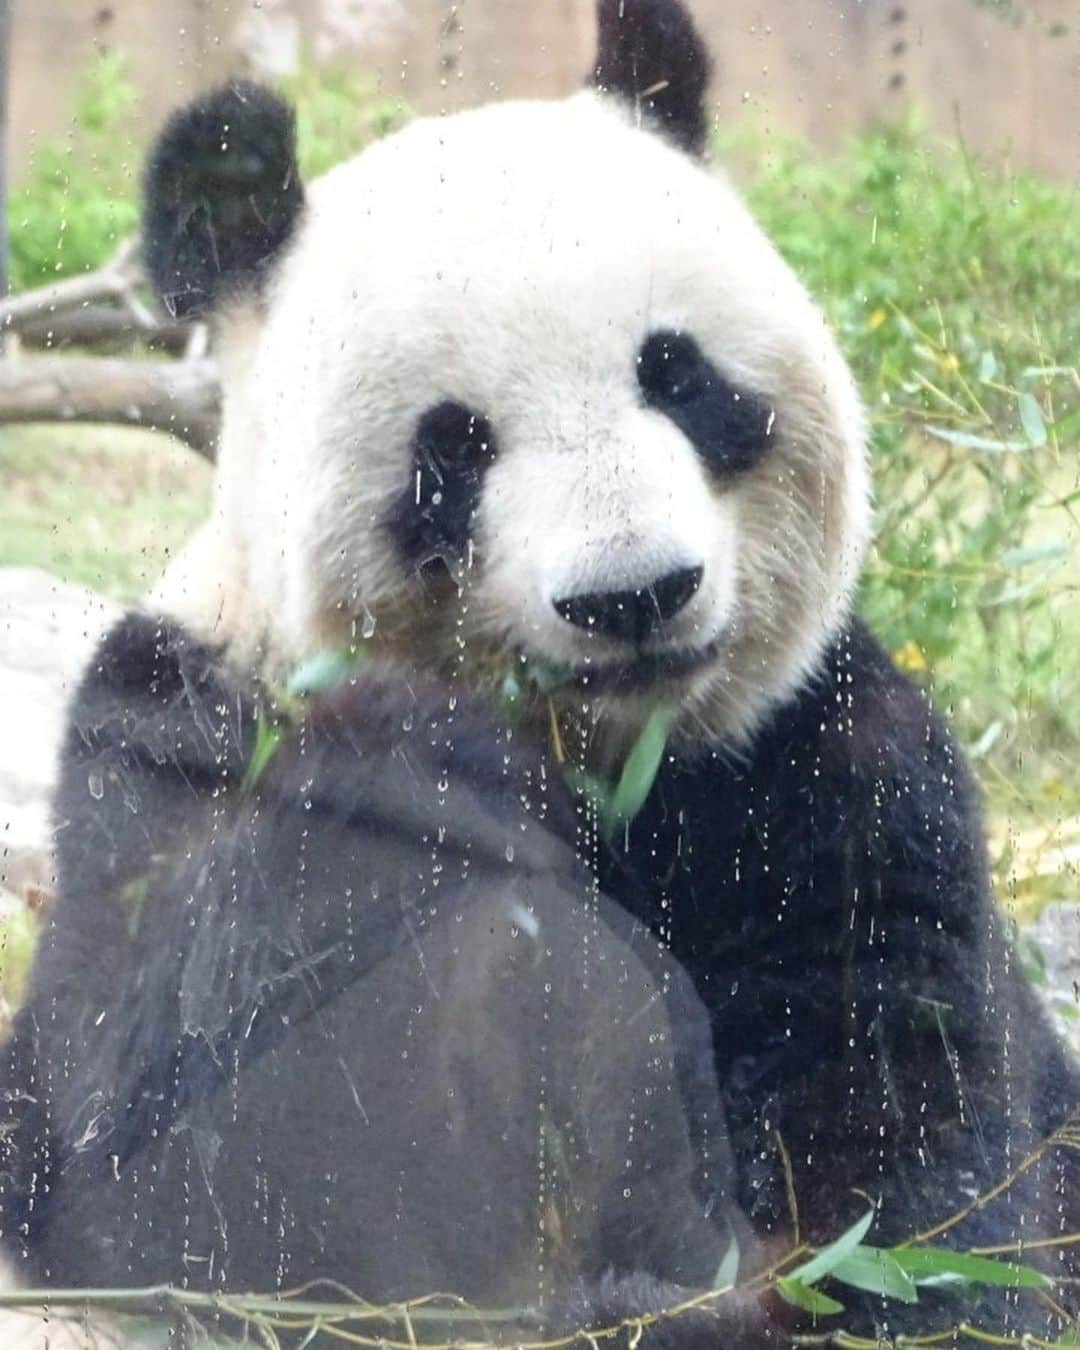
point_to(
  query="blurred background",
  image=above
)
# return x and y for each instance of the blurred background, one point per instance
(1002, 74)
(917, 162)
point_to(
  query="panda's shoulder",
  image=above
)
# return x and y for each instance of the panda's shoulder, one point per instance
(859, 736)
(874, 726)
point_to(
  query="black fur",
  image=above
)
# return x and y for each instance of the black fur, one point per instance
(432, 520)
(828, 893)
(282, 1029)
(650, 54)
(735, 1321)
(221, 198)
(729, 428)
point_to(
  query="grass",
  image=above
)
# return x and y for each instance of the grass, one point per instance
(104, 508)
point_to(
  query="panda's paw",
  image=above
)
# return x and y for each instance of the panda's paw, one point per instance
(153, 690)
(422, 757)
(661, 1316)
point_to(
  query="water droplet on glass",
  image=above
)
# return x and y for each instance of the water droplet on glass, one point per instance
(96, 786)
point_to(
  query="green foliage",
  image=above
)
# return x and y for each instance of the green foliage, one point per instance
(954, 287)
(896, 1272)
(80, 197)
(339, 111)
(79, 200)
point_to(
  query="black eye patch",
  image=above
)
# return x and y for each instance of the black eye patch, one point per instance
(431, 522)
(730, 428)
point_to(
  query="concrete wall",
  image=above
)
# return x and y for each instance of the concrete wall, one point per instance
(815, 66)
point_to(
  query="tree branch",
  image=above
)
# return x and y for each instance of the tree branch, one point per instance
(115, 281)
(180, 397)
(101, 325)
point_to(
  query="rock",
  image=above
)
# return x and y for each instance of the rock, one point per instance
(48, 630)
(1057, 933)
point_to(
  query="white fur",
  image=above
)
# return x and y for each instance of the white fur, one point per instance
(514, 258)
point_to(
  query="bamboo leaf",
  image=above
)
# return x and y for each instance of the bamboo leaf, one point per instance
(878, 1272)
(1031, 419)
(1047, 372)
(825, 1261)
(728, 1271)
(1020, 557)
(809, 1300)
(967, 441)
(325, 671)
(268, 738)
(938, 1265)
(640, 770)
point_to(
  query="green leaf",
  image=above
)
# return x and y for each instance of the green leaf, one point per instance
(967, 441)
(876, 1270)
(1065, 428)
(511, 689)
(267, 739)
(827, 1258)
(18, 943)
(1011, 594)
(545, 676)
(988, 366)
(640, 770)
(802, 1296)
(938, 1265)
(1020, 557)
(1047, 372)
(325, 671)
(542, 676)
(987, 740)
(1033, 959)
(728, 1270)
(1031, 419)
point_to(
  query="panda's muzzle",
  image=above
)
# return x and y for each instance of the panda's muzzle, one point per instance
(646, 671)
(632, 616)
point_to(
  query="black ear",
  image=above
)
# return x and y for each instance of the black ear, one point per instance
(651, 54)
(221, 196)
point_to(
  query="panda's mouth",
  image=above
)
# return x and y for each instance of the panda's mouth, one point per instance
(644, 671)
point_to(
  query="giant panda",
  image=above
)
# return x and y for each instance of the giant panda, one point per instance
(523, 399)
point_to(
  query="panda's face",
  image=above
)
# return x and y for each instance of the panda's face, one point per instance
(532, 384)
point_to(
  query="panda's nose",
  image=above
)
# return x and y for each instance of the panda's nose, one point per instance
(632, 615)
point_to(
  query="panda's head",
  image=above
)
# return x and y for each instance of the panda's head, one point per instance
(526, 384)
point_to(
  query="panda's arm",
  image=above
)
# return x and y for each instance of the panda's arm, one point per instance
(154, 731)
(198, 913)
(830, 895)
